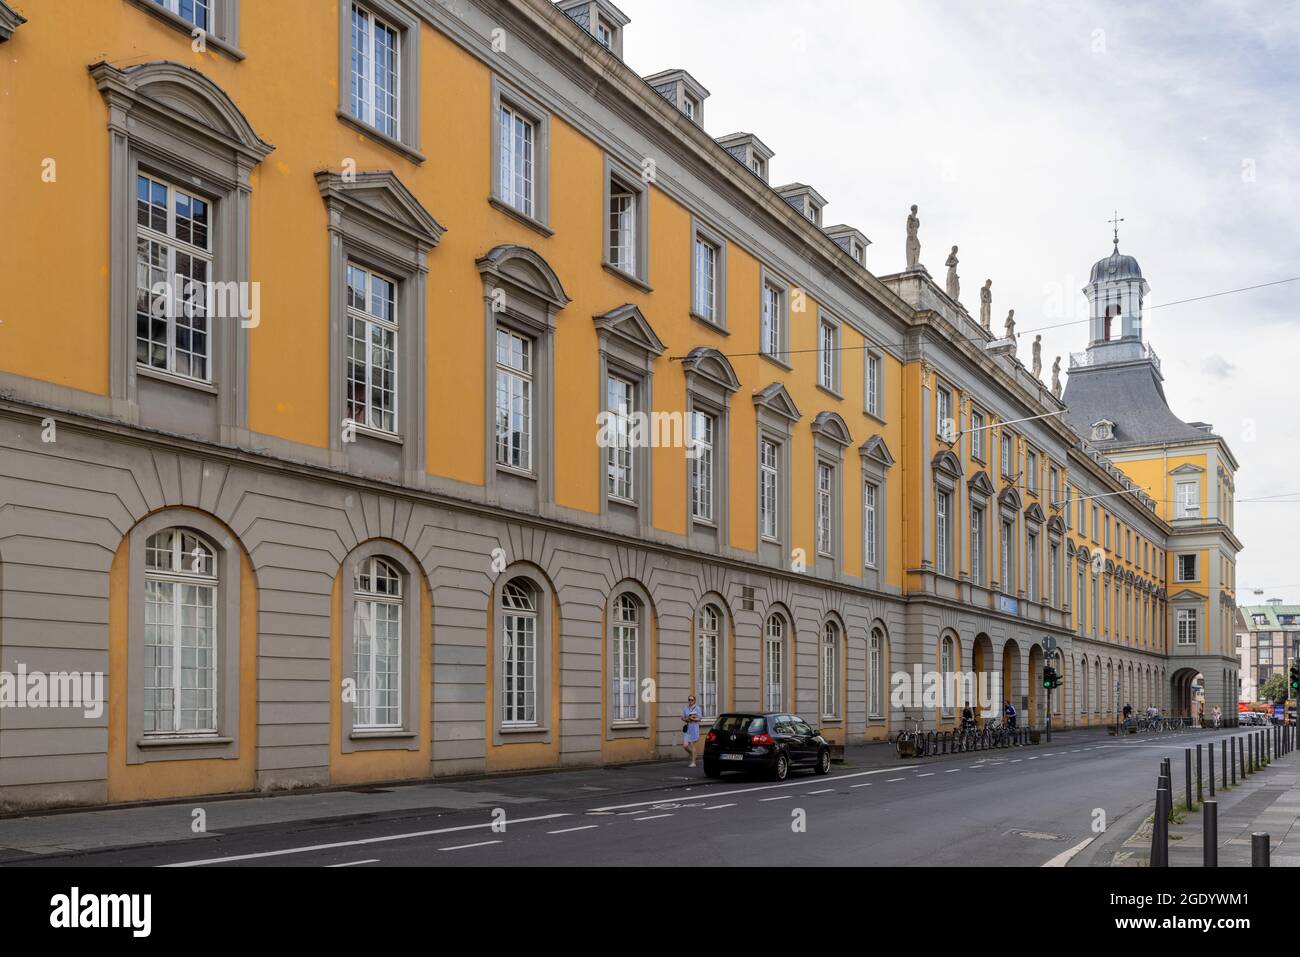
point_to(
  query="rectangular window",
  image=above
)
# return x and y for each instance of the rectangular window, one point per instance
(1031, 471)
(773, 694)
(1083, 514)
(621, 404)
(977, 432)
(772, 320)
(1069, 507)
(830, 674)
(372, 349)
(179, 627)
(874, 404)
(1053, 573)
(1185, 566)
(375, 69)
(173, 267)
(706, 279)
(1096, 524)
(769, 486)
(1008, 443)
(702, 426)
(196, 12)
(627, 662)
(519, 668)
(947, 428)
(942, 505)
(1007, 532)
(514, 403)
(1080, 608)
(1187, 626)
(825, 505)
(977, 545)
(1105, 531)
(378, 630)
(516, 176)
(622, 249)
(827, 340)
(1188, 499)
(874, 676)
(869, 523)
(1031, 567)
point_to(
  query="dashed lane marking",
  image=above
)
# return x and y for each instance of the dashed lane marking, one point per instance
(927, 774)
(892, 780)
(466, 847)
(952, 771)
(782, 797)
(372, 860)
(718, 807)
(652, 817)
(570, 830)
(864, 784)
(822, 791)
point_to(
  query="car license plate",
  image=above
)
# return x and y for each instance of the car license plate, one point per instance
(733, 757)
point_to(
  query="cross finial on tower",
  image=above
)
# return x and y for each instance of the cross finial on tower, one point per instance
(1115, 223)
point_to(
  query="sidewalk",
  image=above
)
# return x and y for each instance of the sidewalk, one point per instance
(1266, 801)
(68, 831)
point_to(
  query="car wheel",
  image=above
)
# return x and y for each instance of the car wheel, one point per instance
(711, 769)
(824, 761)
(781, 769)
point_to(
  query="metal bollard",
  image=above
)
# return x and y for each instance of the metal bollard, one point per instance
(1199, 795)
(1187, 769)
(1160, 830)
(1259, 849)
(1211, 755)
(1232, 745)
(1210, 829)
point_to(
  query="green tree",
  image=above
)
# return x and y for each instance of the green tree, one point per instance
(1275, 688)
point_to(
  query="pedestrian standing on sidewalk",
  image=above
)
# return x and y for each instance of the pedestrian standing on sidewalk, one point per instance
(691, 715)
(1128, 714)
(1216, 715)
(1010, 712)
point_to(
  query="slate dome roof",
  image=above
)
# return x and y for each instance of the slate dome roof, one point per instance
(1115, 267)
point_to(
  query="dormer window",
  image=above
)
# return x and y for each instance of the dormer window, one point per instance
(758, 166)
(858, 252)
(683, 91)
(1103, 431)
(691, 107)
(749, 150)
(604, 34)
(807, 200)
(601, 19)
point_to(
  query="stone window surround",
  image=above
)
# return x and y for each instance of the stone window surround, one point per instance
(407, 737)
(869, 353)
(614, 170)
(710, 383)
(1008, 512)
(225, 744)
(883, 684)
(1196, 562)
(223, 32)
(505, 92)
(826, 318)
(770, 277)
(715, 237)
(544, 596)
(830, 439)
(776, 416)
(359, 234)
(147, 134)
(979, 495)
(778, 610)
(528, 309)
(841, 643)
(724, 647)
(640, 728)
(946, 469)
(407, 142)
(876, 461)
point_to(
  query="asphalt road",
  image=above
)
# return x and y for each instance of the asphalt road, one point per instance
(1026, 807)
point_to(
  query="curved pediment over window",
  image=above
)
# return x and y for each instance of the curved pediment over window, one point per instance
(170, 90)
(712, 365)
(1083, 555)
(947, 463)
(877, 451)
(523, 269)
(1010, 498)
(1055, 525)
(832, 427)
(776, 399)
(1110, 567)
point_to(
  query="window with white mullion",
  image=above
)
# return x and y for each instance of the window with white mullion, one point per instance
(772, 318)
(775, 671)
(873, 384)
(372, 350)
(516, 176)
(375, 71)
(825, 504)
(706, 279)
(627, 659)
(180, 621)
(514, 400)
(826, 365)
(377, 645)
(174, 257)
(519, 655)
(869, 493)
(769, 483)
(197, 12)
(619, 456)
(830, 671)
(706, 660)
(702, 429)
(622, 229)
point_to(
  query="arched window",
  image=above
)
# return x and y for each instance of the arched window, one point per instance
(706, 659)
(1096, 692)
(830, 670)
(876, 673)
(774, 663)
(180, 622)
(627, 659)
(519, 653)
(377, 644)
(1083, 698)
(945, 673)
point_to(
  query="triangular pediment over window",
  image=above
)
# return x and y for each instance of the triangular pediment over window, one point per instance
(1035, 514)
(382, 198)
(1186, 594)
(631, 326)
(776, 399)
(981, 484)
(1187, 468)
(877, 451)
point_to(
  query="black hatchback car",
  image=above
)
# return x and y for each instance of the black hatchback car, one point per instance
(773, 743)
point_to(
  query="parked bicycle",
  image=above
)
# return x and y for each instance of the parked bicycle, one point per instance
(911, 741)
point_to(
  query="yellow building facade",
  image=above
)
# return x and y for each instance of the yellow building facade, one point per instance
(432, 394)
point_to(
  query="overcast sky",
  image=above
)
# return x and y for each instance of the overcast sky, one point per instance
(1018, 127)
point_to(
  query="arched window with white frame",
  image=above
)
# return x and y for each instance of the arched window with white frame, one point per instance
(624, 697)
(876, 674)
(774, 664)
(708, 642)
(831, 670)
(180, 627)
(377, 644)
(519, 653)
(946, 648)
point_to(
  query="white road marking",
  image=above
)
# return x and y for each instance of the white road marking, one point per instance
(822, 791)
(463, 847)
(1034, 758)
(952, 771)
(1060, 860)
(761, 787)
(892, 780)
(783, 797)
(927, 774)
(1017, 760)
(864, 784)
(653, 817)
(1076, 750)
(372, 860)
(717, 807)
(364, 840)
(570, 830)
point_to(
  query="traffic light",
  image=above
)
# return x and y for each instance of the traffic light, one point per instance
(1295, 677)
(1050, 678)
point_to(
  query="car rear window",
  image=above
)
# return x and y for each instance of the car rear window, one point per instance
(741, 722)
